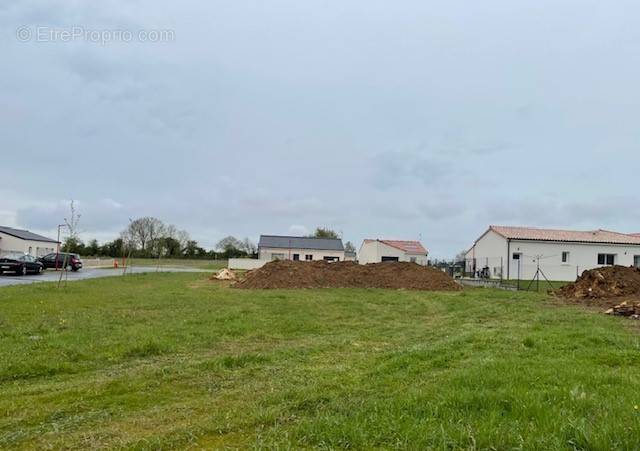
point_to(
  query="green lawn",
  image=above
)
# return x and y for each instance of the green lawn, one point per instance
(163, 361)
(543, 286)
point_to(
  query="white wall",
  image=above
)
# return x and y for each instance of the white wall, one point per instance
(491, 250)
(246, 263)
(11, 244)
(582, 256)
(267, 253)
(373, 251)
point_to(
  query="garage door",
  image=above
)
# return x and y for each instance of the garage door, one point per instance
(389, 259)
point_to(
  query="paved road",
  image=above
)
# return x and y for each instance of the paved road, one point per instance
(86, 273)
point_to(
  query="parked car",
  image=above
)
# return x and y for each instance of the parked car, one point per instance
(57, 260)
(20, 264)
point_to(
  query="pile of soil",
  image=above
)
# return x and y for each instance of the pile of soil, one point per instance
(321, 274)
(604, 284)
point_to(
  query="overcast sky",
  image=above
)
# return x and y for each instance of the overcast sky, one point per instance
(379, 119)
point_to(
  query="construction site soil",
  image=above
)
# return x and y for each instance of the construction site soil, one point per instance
(321, 274)
(603, 286)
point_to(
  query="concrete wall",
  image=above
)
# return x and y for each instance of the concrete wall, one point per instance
(496, 253)
(287, 254)
(373, 251)
(246, 263)
(11, 244)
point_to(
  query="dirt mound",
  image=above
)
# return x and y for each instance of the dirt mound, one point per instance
(320, 274)
(604, 283)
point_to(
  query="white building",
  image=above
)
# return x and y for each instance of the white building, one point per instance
(17, 241)
(275, 247)
(517, 252)
(375, 251)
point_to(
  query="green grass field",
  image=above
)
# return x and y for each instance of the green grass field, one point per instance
(164, 361)
(543, 286)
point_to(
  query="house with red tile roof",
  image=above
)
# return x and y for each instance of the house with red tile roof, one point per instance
(378, 250)
(517, 252)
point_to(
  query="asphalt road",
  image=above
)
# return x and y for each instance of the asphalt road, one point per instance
(85, 273)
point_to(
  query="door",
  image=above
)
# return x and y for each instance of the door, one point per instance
(636, 261)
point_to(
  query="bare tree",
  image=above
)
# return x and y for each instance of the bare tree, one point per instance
(144, 231)
(249, 247)
(72, 226)
(73, 221)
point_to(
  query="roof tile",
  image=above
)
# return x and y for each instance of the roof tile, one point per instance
(410, 247)
(589, 236)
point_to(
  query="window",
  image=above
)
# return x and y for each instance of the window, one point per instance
(565, 257)
(636, 261)
(516, 256)
(606, 259)
(331, 259)
(389, 259)
(277, 256)
(296, 257)
(308, 257)
(412, 259)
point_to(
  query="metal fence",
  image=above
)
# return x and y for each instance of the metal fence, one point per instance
(524, 273)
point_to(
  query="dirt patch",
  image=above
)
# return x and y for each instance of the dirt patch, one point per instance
(603, 286)
(320, 274)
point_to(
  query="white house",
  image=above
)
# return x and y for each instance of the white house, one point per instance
(18, 241)
(276, 247)
(517, 252)
(374, 251)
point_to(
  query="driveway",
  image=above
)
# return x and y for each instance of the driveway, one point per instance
(85, 273)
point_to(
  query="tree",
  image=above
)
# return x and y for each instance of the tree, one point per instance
(112, 248)
(461, 256)
(144, 231)
(230, 247)
(92, 248)
(73, 245)
(72, 222)
(249, 247)
(349, 247)
(324, 232)
(170, 247)
(193, 250)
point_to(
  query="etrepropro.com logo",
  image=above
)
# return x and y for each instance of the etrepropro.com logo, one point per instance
(28, 33)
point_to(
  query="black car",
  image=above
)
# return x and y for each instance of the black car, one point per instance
(21, 265)
(57, 261)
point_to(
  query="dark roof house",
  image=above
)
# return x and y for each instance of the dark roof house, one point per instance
(25, 235)
(300, 242)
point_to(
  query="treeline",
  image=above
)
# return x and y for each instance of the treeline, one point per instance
(149, 237)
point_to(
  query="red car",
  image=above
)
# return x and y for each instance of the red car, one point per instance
(57, 261)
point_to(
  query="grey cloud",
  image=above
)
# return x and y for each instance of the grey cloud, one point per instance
(261, 117)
